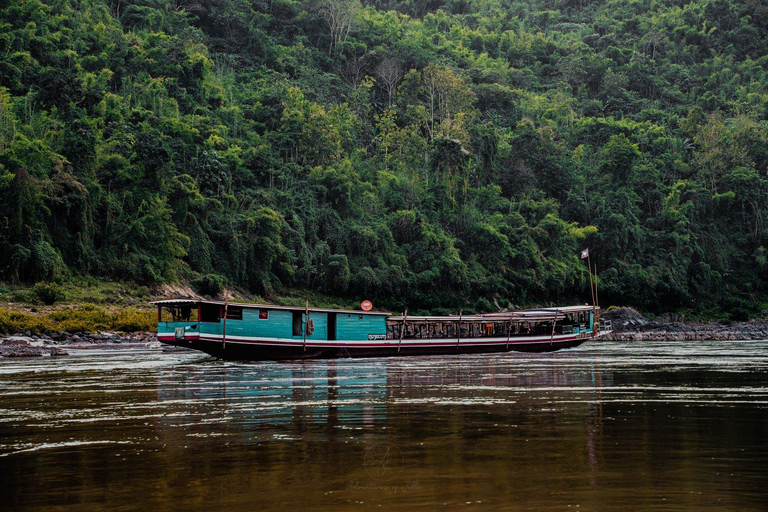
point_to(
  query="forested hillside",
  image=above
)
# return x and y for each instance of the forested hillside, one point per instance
(429, 154)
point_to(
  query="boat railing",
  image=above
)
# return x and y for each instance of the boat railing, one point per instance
(171, 324)
(179, 329)
(485, 328)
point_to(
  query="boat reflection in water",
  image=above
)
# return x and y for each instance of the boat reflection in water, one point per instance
(287, 398)
(282, 399)
(478, 422)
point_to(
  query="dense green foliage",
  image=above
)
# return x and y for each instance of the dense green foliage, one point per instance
(430, 154)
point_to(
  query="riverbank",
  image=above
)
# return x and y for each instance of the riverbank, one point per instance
(64, 343)
(630, 325)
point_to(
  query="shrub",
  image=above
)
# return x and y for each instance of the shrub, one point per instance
(86, 318)
(20, 296)
(209, 284)
(36, 324)
(49, 293)
(8, 324)
(133, 320)
(12, 322)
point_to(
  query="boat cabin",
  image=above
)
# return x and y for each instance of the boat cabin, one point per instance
(231, 320)
(532, 322)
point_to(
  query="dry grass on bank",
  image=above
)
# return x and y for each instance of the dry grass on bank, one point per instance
(83, 318)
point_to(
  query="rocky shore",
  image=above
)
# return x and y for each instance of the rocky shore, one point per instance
(629, 325)
(63, 343)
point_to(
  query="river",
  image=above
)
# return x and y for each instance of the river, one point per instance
(673, 426)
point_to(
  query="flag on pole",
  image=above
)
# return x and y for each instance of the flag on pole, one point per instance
(585, 253)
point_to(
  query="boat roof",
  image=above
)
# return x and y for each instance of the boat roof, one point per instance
(520, 315)
(477, 318)
(540, 314)
(189, 301)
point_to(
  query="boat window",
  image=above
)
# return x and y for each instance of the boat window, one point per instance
(427, 329)
(182, 313)
(263, 314)
(209, 312)
(234, 313)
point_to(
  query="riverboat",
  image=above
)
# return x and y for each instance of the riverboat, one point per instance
(256, 332)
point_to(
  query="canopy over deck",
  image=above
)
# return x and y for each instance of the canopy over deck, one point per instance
(188, 302)
(525, 315)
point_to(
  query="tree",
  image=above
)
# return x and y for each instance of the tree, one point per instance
(341, 16)
(355, 68)
(389, 72)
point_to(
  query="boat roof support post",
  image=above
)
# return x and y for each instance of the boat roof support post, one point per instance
(458, 334)
(402, 331)
(554, 323)
(304, 327)
(224, 328)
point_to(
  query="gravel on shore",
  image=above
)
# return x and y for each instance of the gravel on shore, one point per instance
(62, 343)
(629, 325)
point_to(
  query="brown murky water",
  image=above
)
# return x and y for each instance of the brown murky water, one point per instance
(606, 426)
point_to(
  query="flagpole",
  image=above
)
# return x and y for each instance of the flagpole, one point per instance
(597, 303)
(591, 285)
(597, 299)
